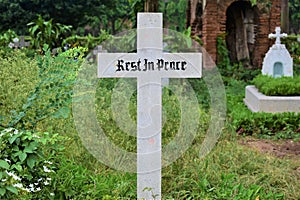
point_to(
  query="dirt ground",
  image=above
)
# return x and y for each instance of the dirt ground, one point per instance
(282, 148)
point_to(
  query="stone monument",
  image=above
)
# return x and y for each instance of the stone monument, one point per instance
(278, 61)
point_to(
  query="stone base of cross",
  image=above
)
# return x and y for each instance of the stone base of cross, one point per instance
(149, 65)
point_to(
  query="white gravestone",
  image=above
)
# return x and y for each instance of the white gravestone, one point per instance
(278, 61)
(149, 65)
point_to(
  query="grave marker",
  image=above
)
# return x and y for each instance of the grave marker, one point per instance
(149, 65)
(278, 61)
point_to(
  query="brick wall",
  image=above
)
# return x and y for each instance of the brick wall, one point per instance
(214, 24)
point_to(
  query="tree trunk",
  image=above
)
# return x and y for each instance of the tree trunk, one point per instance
(151, 6)
(285, 16)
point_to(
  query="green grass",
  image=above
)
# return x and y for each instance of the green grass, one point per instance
(230, 171)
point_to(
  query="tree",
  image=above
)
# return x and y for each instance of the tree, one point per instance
(151, 6)
(285, 15)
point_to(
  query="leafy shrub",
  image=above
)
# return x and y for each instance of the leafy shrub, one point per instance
(232, 70)
(88, 41)
(50, 89)
(47, 32)
(244, 122)
(18, 77)
(7, 37)
(283, 86)
(27, 163)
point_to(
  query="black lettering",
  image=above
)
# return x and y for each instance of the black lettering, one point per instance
(133, 66)
(145, 65)
(177, 65)
(172, 65)
(127, 64)
(183, 64)
(166, 64)
(160, 64)
(120, 67)
(150, 65)
(139, 64)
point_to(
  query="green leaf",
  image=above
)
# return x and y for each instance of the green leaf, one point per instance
(22, 156)
(31, 147)
(2, 191)
(31, 162)
(17, 167)
(4, 164)
(13, 138)
(62, 112)
(12, 189)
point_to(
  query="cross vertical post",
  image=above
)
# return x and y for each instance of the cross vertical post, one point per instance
(149, 43)
(149, 65)
(277, 35)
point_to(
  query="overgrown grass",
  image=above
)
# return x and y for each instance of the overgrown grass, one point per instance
(230, 171)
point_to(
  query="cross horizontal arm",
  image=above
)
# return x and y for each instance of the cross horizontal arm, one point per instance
(175, 65)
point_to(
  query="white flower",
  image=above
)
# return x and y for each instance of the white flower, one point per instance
(36, 136)
(36, 183)
(26, 189)
(46, 183)
(46, 169)
(18, 185)
(48, 179)
(11, 174)
(52, 194)
(8, 130)
(16, 178)
(15, 40)
(31, 185)
(7, 160)
(16, 131)
(48, 162)
(11, 45)
(38, 189)
(40, 179)
(3, 180)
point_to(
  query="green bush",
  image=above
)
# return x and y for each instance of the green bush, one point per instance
(243, 121)
(284, 86)
(45, 92)
(18, 77)
(27, 163)
(7, 37)
(47, 32)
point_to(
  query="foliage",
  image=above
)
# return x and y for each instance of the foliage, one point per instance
(243, 121)
(229, 188)
(91, 14)
(27, 163)
(51, 95)
(18, 77)
(294, 16)
(283, 86)
(46, 32)
(174, 14)
(7, 37)
(178, 42)
(88, 41)
(228, 69)
(292, 43)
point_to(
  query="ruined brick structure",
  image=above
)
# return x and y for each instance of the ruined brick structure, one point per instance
(246, 26)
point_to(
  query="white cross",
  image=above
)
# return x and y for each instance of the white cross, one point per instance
(277, 35)
(149, 65)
